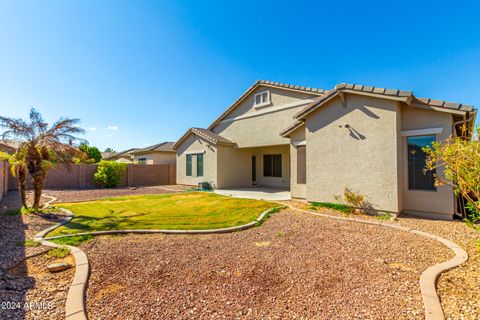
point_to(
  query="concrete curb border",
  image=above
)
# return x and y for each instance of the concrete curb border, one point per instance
(74, 306)
(429, 277)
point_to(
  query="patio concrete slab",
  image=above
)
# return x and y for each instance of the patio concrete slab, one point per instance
(258, 193)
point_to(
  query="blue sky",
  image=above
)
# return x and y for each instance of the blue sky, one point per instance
(142, 72)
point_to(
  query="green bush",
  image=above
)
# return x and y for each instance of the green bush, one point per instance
(92, 153)
(108, 173)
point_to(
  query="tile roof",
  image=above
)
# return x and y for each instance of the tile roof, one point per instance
(121, 153)
(163, 146)
(388, 93)
(315, 91)
(206, 134)
(290, 86)
(445, 104)
(211, 135)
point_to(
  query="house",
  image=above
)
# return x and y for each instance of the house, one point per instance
(316, 142)
(8, 146)
(160, 153)
(124, 156)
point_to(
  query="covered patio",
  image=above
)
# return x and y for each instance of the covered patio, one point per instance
(258, 193)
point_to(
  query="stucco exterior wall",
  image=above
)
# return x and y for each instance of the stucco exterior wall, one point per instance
(441, 201)
(157, 157)
(297, 190)
(235, 167)
(261, 127)
(194, 143)
(362, 157)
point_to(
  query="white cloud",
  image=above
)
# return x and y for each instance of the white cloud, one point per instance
(92, 129)
(108, 135)
(112, 127)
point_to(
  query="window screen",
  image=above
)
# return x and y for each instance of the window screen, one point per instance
(301, 164)
(199, 165)
(418, 179)
(272, 165)
(189, 165)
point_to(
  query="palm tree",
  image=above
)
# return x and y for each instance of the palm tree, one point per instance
(40, 148)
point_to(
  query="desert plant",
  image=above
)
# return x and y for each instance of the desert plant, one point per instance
(108, 173)
(458, 158)
(354, 200)
(40, 148)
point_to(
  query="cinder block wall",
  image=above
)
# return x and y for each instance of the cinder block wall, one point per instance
(3, 179)
(81, 176)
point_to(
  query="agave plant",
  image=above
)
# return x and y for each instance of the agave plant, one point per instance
(40, 147)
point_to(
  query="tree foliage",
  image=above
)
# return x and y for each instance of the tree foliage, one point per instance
(109, 173)
(40, 148)
(457, 161)
(93, 153)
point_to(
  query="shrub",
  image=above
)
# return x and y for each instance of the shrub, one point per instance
(108, 173)
(93, 154)
(354, 200)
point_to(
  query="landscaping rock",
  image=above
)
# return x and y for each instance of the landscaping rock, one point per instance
(57, 267)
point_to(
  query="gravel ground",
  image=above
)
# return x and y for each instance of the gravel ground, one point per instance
(23, 274)
(294, 266)
(93, 194)
(459, 289)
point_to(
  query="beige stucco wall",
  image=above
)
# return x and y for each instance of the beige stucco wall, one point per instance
(157, 157)
(297, 190)
(194, 143)
(364, 158)
(441, 201)
(263, 128)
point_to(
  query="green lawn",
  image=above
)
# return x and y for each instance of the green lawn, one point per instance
(190, 210)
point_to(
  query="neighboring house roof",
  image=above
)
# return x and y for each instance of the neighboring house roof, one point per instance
(9, 146)
(106, 154)
(265, 83)
(394, 94)
(123, 160)
(124, 153)
(206, 134)
(159, 147)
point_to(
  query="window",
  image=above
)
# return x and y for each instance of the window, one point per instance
(272, 165)
(142, 161)
(189, 165)
(301, 164)
(262, 99)
(199, 165)
(418, 179)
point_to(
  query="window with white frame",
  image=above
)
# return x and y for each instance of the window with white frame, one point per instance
(142, 160)
(262, 99)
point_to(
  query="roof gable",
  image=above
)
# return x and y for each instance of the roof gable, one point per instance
(265, 83)
(205, 134)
